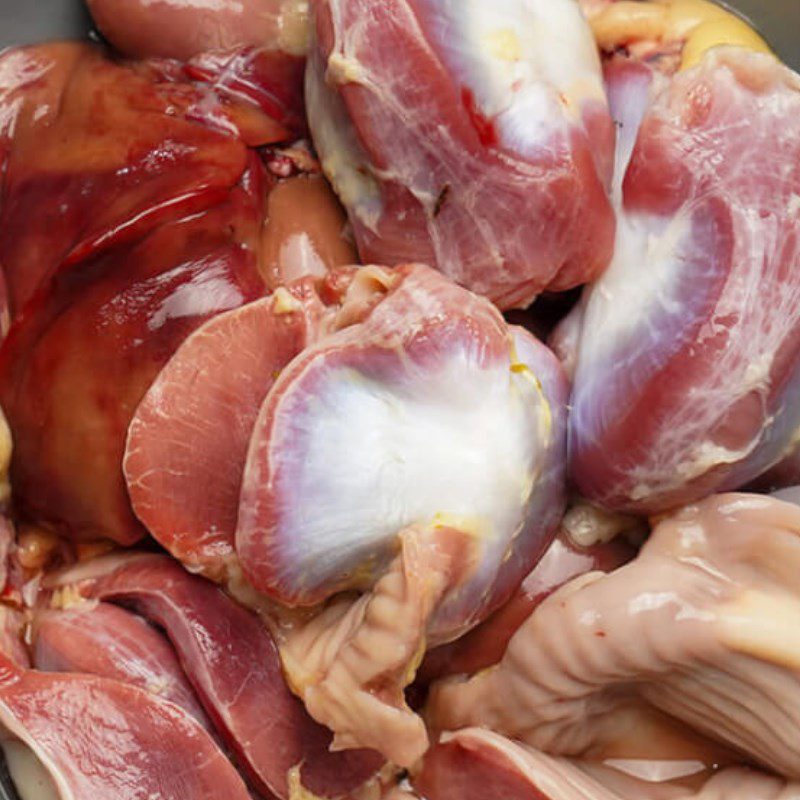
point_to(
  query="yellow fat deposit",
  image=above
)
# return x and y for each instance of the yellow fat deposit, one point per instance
(700, 24)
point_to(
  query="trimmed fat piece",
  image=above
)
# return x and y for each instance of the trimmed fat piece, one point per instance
(426, 409)
(687, 369)
(700, 626)
(470, 136)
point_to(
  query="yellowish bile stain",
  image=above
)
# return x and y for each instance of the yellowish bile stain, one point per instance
(523, 370)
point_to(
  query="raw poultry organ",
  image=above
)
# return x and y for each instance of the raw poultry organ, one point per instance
(693, 389)
(290, 509)
(496, 171)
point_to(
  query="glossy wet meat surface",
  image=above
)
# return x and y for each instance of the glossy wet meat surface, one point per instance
(392, 542)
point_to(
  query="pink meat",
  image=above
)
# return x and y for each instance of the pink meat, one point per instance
(687, 365)
(470, 366)
(101, 639)
(435, 357)
(231, 661)
(253, 49)
(699, 626)
(471, 139)
(13, 625)
(269, 79)
(485, 645)
(183, 28)
(100, 739)
(188, 440)
(386, 398)
(479, 765)
(475, 764)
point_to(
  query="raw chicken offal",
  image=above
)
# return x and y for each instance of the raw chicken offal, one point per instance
(685, 351)
(284, 305)
(475, 138)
